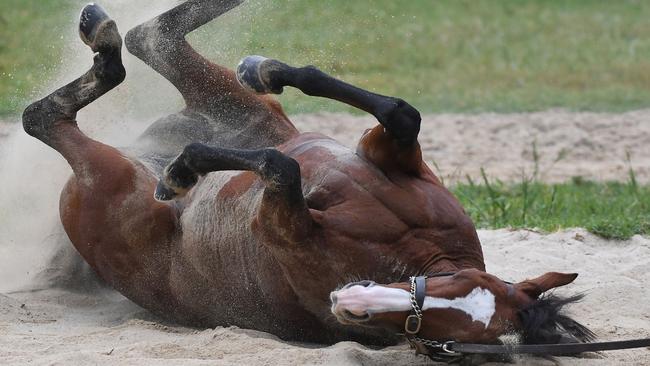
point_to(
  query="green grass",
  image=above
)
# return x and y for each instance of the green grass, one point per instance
(463, 56)
(30, 47)
(443, 56)
(612, 210)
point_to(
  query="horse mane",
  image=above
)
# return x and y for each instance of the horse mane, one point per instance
(544, 321)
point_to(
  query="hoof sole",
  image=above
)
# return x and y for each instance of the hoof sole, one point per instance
(252, 76)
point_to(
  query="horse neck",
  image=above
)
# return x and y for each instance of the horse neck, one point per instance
(453, 265)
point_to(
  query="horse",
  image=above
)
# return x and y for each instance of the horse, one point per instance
(224, 213)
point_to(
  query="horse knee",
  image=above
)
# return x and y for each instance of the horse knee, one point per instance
(148, 39)
(33, 118)
(378, 146)
(135, 41)
(401, 120)
(39, 117)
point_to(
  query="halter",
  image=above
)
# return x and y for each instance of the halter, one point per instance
(451, 351)
(437, 351)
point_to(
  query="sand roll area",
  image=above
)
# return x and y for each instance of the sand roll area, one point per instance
(58, 327)
(594, 146)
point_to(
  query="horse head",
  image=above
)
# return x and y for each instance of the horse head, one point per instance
(467, 306)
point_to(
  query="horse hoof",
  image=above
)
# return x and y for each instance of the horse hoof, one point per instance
(163, 192)
(253, 74)
(97, 29)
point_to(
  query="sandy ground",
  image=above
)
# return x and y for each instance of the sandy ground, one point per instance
(61, 327)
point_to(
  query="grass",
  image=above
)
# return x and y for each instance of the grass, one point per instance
(465, 56)
(612, 210)
(443, 56)
(30, 47)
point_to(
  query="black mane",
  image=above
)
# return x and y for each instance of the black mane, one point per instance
(544, 321)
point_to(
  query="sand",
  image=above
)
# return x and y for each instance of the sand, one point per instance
(60, 327)
(590, 145)
(50, 326)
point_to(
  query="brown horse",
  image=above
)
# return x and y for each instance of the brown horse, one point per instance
(264, 221)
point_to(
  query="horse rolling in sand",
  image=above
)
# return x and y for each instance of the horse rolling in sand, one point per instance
(254, 223)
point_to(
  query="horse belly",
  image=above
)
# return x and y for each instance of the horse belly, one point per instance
(213, 274)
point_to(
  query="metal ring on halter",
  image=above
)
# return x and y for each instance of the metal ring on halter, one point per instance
(445, 347)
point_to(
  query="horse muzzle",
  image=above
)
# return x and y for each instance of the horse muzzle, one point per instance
(349, 303)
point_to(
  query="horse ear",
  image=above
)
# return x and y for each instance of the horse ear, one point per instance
(536, 286)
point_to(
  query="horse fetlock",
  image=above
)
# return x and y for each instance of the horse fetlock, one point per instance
(255, 73)
(108, 38)
(279, 170)
(170, 188)
(177, 180)
(163, 192)
(109, 69)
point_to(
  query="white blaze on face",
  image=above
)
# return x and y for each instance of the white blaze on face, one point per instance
(479, 304)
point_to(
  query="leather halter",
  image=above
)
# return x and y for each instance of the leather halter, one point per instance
(451, 351)
(437, 351)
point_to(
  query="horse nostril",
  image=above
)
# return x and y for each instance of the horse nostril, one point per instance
(349, 315)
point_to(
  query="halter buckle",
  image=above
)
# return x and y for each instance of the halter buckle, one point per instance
(413, 324)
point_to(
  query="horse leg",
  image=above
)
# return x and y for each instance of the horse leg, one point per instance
(391, 146)
(269, 76)
(160, 43)
(107, 186)
(206, 87)
(283, 215)
(100, 33)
